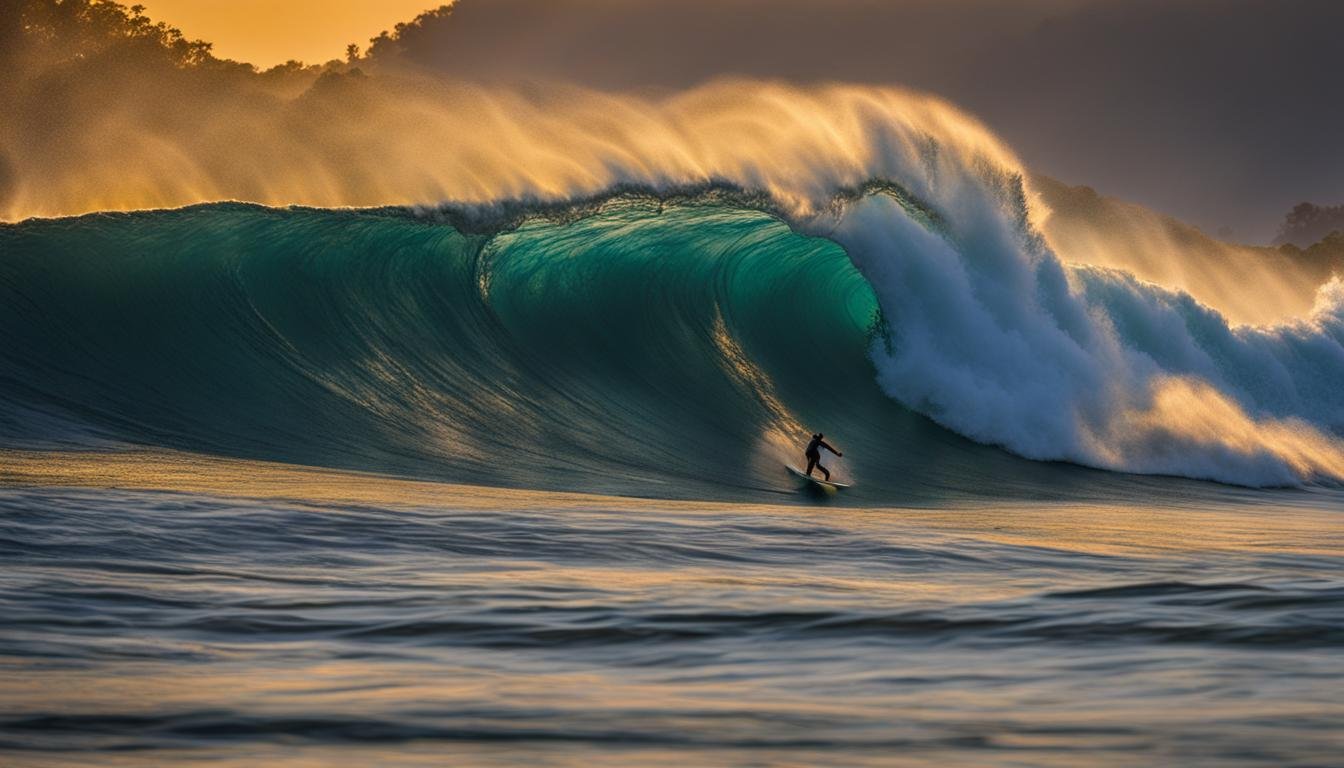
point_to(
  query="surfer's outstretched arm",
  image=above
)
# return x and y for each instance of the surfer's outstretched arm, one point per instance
(828, 447)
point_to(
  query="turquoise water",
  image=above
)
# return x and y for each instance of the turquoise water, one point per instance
(678, 352)
(205, 560)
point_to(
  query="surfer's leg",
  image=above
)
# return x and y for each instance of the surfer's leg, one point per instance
(824, 471)
(811, 462)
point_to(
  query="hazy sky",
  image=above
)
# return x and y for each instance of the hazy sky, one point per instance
(269, 32)
(1222, 112)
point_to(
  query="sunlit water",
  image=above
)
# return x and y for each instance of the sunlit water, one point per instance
(181, 611)
(655, 301)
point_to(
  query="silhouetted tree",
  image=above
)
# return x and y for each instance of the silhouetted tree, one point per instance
(389, 45)
(1307, 223)
(1326, 255)
(73, 30)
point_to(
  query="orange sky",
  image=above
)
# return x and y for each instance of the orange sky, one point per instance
(268, 32)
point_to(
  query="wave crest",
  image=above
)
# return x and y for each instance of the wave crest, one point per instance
(433, 336)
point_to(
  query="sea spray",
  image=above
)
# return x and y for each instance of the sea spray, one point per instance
(652, 346)
(993, 336)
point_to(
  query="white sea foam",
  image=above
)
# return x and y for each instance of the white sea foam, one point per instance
(992, 335)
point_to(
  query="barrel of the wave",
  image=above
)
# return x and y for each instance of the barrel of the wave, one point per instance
(641, 348)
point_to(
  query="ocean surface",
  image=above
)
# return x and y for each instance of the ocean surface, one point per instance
(172, 610)
(505, 484)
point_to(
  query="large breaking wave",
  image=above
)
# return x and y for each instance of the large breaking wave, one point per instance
(664, 306)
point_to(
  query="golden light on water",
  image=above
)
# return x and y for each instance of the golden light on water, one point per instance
(1190, 417)
(432, 682)
(1092, 528)
(193, 608)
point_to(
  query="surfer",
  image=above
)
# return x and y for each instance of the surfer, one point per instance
(813, 453)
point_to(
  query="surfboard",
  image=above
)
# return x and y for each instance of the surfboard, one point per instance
(816, 480)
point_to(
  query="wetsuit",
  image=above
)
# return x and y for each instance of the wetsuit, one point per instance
(813, 454)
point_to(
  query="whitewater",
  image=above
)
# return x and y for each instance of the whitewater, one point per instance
(471, 448)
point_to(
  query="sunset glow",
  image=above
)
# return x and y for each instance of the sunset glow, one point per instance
(671, 383)
(267, 33)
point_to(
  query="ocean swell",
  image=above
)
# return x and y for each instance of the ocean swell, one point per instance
(645, 347)
(661, 298)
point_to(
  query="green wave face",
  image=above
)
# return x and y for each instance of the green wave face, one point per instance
(680, 352)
